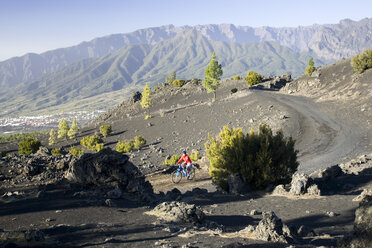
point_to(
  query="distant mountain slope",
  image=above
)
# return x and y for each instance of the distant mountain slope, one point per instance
(129, 68)
(328, 42)
(31, 66)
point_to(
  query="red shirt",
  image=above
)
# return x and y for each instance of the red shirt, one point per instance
(185, 158)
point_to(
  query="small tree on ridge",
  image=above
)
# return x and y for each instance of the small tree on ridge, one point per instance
(170, 78)
(73, 131)
(213, 75)
(63, 129)
(310, 69)
(52, 137)
(146, 101)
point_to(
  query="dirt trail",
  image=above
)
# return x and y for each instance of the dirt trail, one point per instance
(321, 137)
(324, 139)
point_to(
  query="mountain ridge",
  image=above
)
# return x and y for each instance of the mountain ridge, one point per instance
(327, 42)
(130, 67)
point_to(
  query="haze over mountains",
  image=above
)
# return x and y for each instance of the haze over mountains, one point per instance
(93, 73)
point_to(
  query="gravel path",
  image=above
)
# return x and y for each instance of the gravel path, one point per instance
(323, 139)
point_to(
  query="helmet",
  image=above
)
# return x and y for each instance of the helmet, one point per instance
(184, 151)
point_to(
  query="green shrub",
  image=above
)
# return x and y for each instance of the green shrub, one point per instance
(20, 136)
(196, 81)
(56, 152)
(194, 156)
(362, 61)
(74, 129)
(99, 147)
(234, 90)
(261, 159)
(310, 69)
(139, 142)
(171, 77)
(91, 142)
(148, 117)
(178, 82)
(105, 130)
(158, 87)
(146, 97)
(52, 137)
(253, 78)
(173, 160)
(125, 146)
(63, 129)
(28, 146)
(237, 77)
(76, 151)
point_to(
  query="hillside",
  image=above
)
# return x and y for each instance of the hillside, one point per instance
(327, 42)
(103, 82)
(60, 200)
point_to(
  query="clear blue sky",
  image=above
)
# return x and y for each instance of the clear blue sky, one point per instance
(41, 25)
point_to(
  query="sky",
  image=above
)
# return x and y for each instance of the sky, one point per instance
(41, 25)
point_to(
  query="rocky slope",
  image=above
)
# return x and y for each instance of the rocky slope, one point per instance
(105, 200)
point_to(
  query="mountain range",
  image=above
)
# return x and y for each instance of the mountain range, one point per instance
(104, 71)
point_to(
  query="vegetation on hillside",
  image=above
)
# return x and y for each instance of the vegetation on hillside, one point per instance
(310, 68)
(74, 129)
(146, 100)
(93, 143)
(213, 75)
(260, 158)
(28, 146)
(171, 160)
(139, 141)
(63, 129)
(362, 61)
(105, 130)
(253, 78)
(76, 151)
(56, 152)
(19, 136)
(194, 156)
(52, 137)
(171, 77)
(125, 146)
(178, 82)
(128, 145)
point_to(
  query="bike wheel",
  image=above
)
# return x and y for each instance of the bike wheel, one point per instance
(192, 173)
(176, 176)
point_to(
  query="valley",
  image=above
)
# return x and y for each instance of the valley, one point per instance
(25, 124)
(280, 161)
(332, 132)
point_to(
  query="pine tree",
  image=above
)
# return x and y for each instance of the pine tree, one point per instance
(63, 129)
(213, 75)
(310, 69)
(73, 131)
(170, 78)
(146, 101)
(52, 137)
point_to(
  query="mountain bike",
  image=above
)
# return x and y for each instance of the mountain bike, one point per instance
(181, 172)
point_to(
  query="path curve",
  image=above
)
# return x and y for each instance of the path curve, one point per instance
(324, 139)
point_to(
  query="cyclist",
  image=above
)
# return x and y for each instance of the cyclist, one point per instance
(186, 161)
